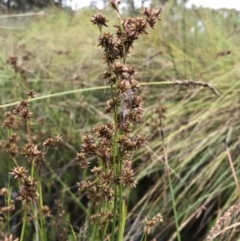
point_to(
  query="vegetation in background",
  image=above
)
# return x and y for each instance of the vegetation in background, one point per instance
(185, 123)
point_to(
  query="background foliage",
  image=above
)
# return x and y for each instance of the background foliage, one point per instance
(59, 53)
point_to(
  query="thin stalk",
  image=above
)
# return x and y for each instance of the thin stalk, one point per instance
(36, 221)
(169, 181)
(122, 216)
(168, 82)
(144, 237)
(114, 212)
(174, 208)
(41, 217)
(96, 225)
(73, 233)
(105, 230)
(24, 223)
(115, 152)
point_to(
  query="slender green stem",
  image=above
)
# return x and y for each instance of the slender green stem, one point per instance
(144, 237)
(114, 212)
(165, 154)
(174, 208)
(24, 224)
(105, 230)
(36, 221)
(122, 215)
(69, 92)
(41, 216)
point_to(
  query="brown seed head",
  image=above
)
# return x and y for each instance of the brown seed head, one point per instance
(152, 16)
(4, 192)
(10, 120)
(46, 211)
(49, 142)
(19, 172)
(114, 4)
(127, 177)
(31, 93)
(99, 19)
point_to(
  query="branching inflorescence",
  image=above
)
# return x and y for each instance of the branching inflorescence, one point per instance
(112, 144)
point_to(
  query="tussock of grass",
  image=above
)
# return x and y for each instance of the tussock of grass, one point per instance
(63, 56)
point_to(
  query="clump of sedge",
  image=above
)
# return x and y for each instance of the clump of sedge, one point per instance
(29, 182)
(113, 144)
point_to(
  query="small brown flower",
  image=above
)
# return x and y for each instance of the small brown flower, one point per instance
(10, 120)
(152, 16)
(14, 138)
(139, 27)
(100, 20)
(81, 156)
(19, 172)
(31, 93)
(107, 193)
(23, 105)
(150, 224)
(140, 142)
(25, 114)
(127, 177)
(126, 144)
(114, 4)
(84, 164)
(107, 74)
(28, 192)
(46, 211)
(107, 177)
(12, 60)
(111, 104)
(103, 152)
(105, 40)
(31, 152)
(49, 142)
(58, 138)
(88, 145)
(103, 131)
(8, 208)
(4, 192)
(96, 170)
(10, 238)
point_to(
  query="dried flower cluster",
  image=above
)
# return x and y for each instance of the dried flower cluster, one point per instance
(13, 61)
(28, 190)
(150, 224)
(11, 206)
(7, 238)
(222, 221)
(102, 218)
(29, 185)
(111, 145)
(6, 211)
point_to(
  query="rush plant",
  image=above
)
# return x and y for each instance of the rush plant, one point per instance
(111, 145)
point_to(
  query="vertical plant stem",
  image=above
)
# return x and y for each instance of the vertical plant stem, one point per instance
(41, 216)
(114, 212)
(36, 221)
(169, 181)
(232, 168)
(24, 223)
(122, 216)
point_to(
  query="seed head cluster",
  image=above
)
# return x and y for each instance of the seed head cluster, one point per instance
(150, 224)
(112, 145)
(33, 154)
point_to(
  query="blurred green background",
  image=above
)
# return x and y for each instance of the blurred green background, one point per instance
(58, 50)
